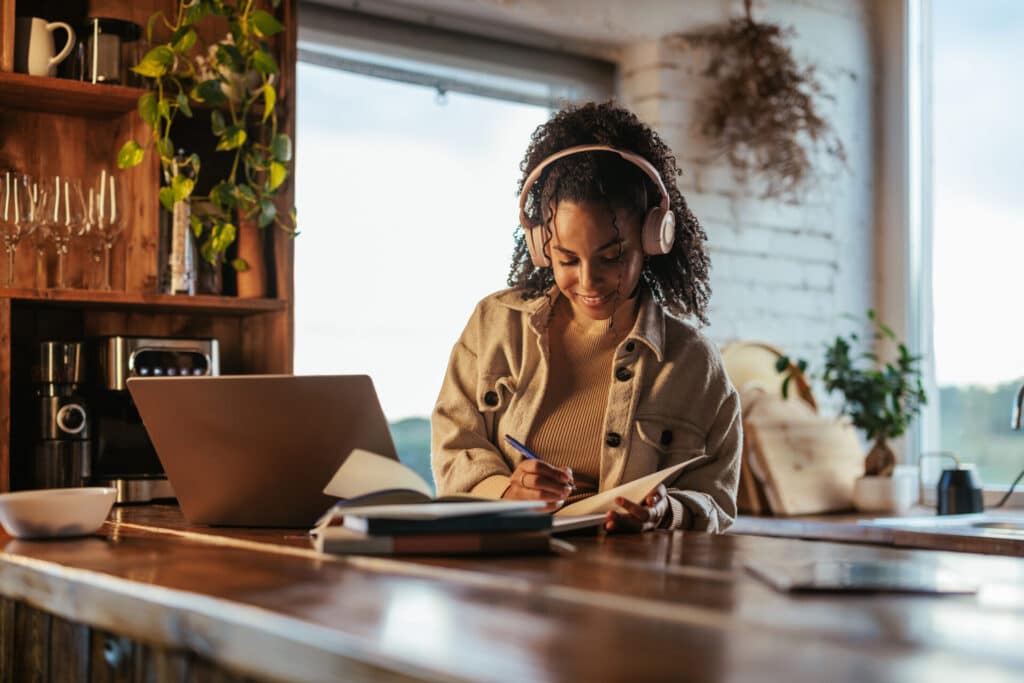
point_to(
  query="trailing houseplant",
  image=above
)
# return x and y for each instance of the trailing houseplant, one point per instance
(882, 398)
(762, 115)
(236, 77)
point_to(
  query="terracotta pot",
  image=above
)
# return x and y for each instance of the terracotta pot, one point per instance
(252, 283)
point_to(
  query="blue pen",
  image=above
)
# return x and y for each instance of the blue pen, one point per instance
(528, 453)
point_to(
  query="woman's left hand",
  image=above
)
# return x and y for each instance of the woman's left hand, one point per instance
(635, 517)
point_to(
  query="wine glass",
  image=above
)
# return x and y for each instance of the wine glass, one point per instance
(18, 214)
(64, 218)
(106, 220)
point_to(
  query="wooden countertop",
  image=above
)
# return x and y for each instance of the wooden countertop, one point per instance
(649, 607)
(846, 527)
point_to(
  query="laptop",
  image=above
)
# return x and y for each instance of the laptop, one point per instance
(257, 450)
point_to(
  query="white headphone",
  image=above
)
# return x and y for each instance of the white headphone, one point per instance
(659, 226)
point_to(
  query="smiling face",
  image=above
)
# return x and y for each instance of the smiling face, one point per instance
(596, 266)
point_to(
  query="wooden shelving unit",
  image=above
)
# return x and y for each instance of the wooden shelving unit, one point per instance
(143, 302)
(52, 126)
(61, 96)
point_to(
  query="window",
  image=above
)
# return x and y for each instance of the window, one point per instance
(977, 240)
(407, 209)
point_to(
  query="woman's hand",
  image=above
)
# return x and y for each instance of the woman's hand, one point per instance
(638, 517)
(537, 480)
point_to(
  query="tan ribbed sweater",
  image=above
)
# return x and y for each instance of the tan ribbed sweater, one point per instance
(569, 430)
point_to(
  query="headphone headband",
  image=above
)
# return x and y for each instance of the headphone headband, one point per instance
(659, 225)
(637, 160)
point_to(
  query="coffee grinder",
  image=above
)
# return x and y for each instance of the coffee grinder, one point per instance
(63, 447)
(124, 457)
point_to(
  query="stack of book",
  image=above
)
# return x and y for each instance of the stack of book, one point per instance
(497, 527)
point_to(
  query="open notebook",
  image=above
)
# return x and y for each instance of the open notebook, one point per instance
(372, 485)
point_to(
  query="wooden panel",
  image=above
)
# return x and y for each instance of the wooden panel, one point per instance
(7, 35)
(69, 651)
(31, 644)
(159, 665)
(5, 395)
(64, 96)
(112, 659)
(7, 608)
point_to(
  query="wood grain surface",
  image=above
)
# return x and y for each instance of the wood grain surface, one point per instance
(652, 607)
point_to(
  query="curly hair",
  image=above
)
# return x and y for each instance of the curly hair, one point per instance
(678, 280)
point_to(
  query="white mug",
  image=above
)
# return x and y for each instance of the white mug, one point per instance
(34, 51)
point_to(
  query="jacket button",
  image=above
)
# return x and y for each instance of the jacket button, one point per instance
(623, 374)
(666, 437)
(630, 347)
(491, 398)
(612, 439)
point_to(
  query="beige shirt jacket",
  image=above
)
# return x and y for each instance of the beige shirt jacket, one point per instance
(669, 401)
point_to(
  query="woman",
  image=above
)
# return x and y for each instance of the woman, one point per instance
(586, 359)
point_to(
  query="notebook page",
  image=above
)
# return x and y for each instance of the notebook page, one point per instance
(364, 472)
(634, 491)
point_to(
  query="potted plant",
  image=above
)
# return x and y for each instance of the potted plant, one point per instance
(880, 397)
(236, 78)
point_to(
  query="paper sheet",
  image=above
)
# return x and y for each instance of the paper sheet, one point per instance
(634, 491)
(364, 472)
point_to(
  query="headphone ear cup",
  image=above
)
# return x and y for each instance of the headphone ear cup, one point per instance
(535, 245)
(659, 231)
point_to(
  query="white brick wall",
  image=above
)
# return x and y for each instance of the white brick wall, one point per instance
(781, 272)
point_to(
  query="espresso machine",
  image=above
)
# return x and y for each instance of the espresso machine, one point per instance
(62, 449)
(123, 456)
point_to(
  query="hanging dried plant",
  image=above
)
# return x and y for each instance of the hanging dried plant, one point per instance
(762, 115)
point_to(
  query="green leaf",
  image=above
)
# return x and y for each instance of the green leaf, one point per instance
(197, 225)
(278, 173)
(232, 57)
(196, 12)
(223, 195)
(282, 148)
(267, 212)
(156, 62)
(184, 41)
(265, 23)
(269, 101)
(163, 108)
(182, 187)
(246, 193)
(223, 236)
(131, 154)
(217, 123)
(263, 62)
(147, 109)
(166, 195)
(149, 25)
(165, 148)
(183, 105)
(209, 92)
(233, 138)
(240, 264)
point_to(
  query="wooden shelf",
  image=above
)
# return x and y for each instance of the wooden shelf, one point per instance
(65, 96)
(223, 305)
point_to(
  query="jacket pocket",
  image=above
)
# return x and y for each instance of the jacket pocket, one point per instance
(494, 393)
(668, 440)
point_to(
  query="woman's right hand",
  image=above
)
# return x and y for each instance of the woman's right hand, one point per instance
(537, 480)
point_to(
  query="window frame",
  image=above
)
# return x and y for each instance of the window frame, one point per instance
(919, 203)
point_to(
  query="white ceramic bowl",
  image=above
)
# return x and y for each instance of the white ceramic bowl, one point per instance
(54, 513)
